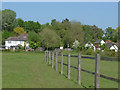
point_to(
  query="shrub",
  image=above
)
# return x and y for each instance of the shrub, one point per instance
(109, 53)
(89, 52)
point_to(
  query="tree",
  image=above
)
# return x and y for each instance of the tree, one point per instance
(5, 35)
(18, 31)
(56, 25)
(8, 19)
(109, 33)
(20, 22)
(92, 33)
(49, 38)
(34, 37)
(0, 20)
(75, 33)
(32, 26)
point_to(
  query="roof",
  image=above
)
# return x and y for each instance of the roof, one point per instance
(98, 41)
(110, 44)
(108, 41)
(22, 37)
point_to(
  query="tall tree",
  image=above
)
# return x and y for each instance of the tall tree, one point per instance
(109, 32)
(49, 38)
(8, 19)
(75, 33)
(92, 33)
(20, 22)
(32, 26)
(34, 37)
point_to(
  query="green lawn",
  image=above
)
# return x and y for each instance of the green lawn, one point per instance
(29, 70)
(107, 68)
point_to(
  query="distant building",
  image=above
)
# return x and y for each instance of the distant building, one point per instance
(16, 41)
(99, 42)
(90, 45)
(112, 46)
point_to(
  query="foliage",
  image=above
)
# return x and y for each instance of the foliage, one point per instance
(49, 38)
(20, 22)
(8, 19)
(109, 52)
(18, 31)
(6, 34)
(75, 33)
(109, 33)
(32, 26)
(34, 45)
(92, 33)
(34, 37)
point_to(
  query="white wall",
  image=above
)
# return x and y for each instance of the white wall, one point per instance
(13, 43)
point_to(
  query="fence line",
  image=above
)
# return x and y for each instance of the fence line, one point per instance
(93, 58)
(97, 66)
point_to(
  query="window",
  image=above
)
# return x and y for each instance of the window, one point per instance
(9, 41)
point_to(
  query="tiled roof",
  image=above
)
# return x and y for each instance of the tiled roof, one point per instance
(22, 37)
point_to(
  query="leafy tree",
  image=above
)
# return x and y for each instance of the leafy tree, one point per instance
(75, 33)
(18, 31)
(49, 38)
(0, 20)
(8, 19)
(5, 35)
(32, 26)
(34, 37)
(109, 33)
(56, 25)
(66, 24)
(92, 33)
(20, 22)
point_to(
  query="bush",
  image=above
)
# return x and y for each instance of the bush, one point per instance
(89, 52)
(109, 53)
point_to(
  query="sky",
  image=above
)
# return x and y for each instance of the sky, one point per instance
(101, 14)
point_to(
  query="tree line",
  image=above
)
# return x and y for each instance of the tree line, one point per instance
(54, 34)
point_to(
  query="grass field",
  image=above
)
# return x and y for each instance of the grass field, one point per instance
(29, 70)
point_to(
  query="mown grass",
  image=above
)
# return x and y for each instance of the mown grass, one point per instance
(29, 70)
(108, 68)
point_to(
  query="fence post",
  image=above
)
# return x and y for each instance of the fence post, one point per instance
(68, 66)
(97, 71)
(45, 56)
(56, 61)
(61, 63)
(53, 59)
(79, 68)
(49, 57)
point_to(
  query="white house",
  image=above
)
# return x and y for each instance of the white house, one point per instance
(15, 41)
(75, 44)
(112, 46)
(90, 45)
(97, 44)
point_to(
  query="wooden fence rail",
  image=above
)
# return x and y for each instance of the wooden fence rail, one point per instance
(93, 58)
(97, 74)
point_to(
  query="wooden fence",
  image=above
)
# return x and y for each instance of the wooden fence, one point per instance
(54, 55)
